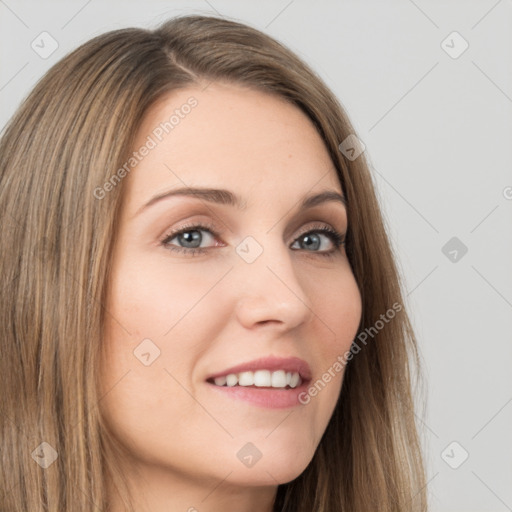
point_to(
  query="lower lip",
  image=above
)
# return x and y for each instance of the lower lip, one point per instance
(270, 398)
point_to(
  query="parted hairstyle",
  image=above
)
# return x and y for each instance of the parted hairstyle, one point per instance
(69, 136)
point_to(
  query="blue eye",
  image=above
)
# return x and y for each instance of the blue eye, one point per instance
(190, 239)
(312, 239)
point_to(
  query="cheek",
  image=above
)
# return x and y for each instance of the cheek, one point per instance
(161, 317)
(336, 301)
(337, 307)
(153, 300)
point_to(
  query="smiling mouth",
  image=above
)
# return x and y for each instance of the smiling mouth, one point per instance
(264, 379)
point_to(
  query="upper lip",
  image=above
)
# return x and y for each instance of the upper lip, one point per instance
(289, 364)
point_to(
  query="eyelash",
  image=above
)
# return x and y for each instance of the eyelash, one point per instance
(337, 238)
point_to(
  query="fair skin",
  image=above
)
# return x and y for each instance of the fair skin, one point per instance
(214, 310)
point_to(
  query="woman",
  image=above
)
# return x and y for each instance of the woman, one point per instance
(191, 244)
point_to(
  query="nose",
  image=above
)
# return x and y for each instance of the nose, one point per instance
(271, 291)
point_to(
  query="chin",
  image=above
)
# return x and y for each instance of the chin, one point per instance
(279, 464)
(268, 475)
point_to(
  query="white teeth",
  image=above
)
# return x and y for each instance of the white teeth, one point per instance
(279, 379)
(261, 378)
(232, 379)
(295, 380)
(246, 379)
(220, 381)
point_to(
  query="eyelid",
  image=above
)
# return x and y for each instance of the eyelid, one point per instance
(207, 226)
(319, 225)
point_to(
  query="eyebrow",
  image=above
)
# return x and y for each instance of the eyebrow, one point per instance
(226, 197)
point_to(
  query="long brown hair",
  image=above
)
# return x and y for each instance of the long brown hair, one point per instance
(71, 134)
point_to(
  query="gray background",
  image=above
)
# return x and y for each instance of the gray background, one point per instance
(438, 132)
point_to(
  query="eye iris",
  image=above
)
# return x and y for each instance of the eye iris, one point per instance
(311, 241)
(190, 237)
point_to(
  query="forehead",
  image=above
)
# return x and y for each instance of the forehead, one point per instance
(233, 137)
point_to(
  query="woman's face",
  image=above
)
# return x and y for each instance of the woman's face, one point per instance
(256, 280)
